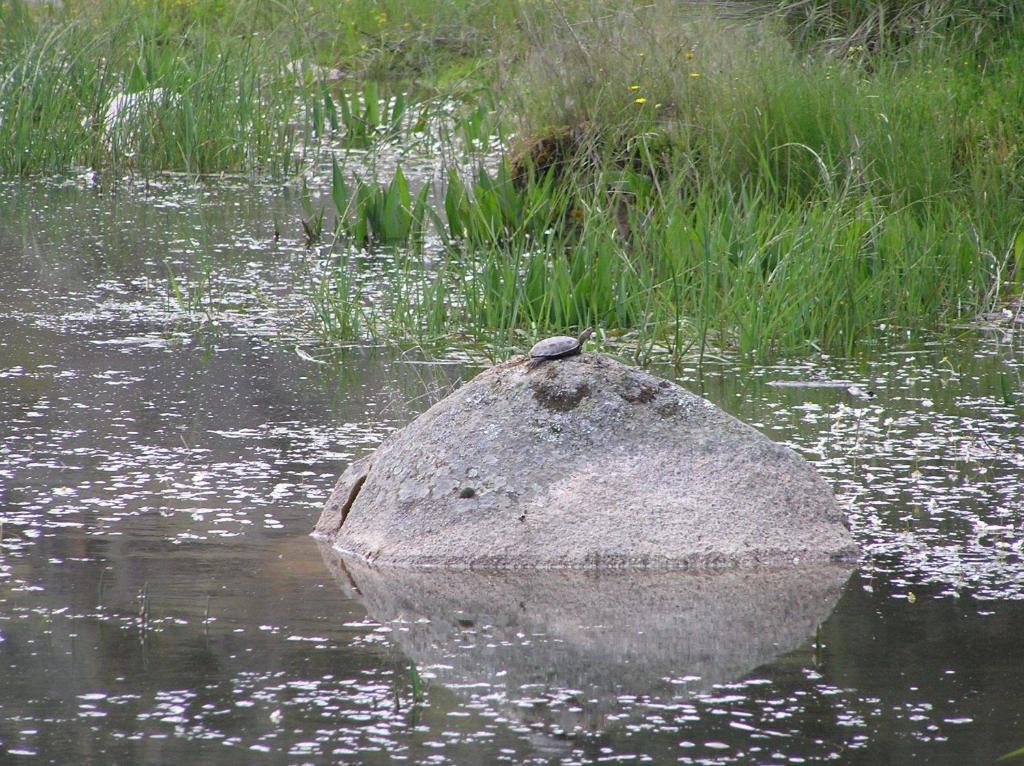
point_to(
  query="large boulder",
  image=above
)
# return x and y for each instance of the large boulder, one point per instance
(582, 462)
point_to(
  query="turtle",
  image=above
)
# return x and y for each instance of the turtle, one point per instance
(558, 347)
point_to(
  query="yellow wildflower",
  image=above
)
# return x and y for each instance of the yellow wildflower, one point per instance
(689, 55)
(694, 75)
(634, 88)
(640, 100)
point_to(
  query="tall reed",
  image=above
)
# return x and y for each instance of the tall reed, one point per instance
(728, 270)
(141, 92)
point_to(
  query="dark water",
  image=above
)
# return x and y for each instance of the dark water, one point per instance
(162, 460)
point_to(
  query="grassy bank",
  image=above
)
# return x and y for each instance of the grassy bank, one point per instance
(208, 86)
(765, 178)
(753, 182)
(123, 85)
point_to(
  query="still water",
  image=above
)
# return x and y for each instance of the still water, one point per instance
(163, 459)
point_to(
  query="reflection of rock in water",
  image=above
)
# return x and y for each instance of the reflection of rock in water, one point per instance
(571, 639)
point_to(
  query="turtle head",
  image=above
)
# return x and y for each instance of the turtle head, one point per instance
(585, 335)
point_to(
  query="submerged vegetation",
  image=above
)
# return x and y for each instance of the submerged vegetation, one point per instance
(738, 176)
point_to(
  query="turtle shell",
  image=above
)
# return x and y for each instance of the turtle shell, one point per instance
(553, 348)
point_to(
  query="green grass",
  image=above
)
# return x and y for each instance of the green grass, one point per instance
(888, 25)
(240, 84)
(693, 181)
(227, 100)
(729, 271)
(765, 182)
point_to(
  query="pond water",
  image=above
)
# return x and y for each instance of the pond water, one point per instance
(162, 463)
